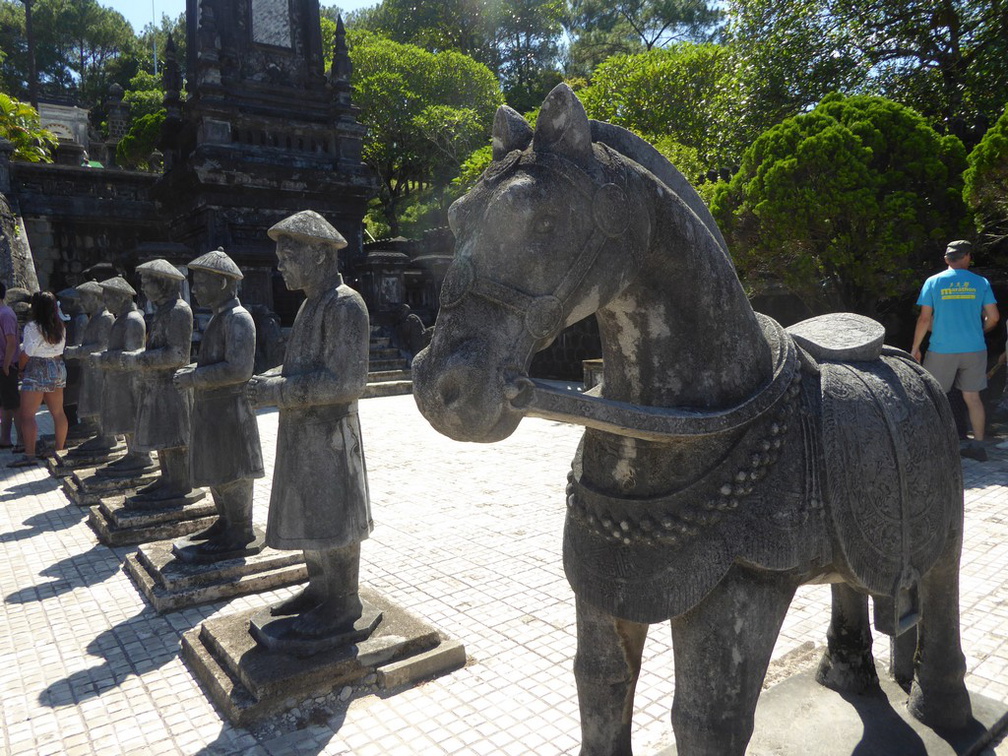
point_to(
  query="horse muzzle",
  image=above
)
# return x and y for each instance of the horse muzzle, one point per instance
(464, 400)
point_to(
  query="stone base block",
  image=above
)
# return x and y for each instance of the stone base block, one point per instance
(119, 525)
(64, 463)
(86, 489)
(799, 716)
(170, 584)
(248, 683)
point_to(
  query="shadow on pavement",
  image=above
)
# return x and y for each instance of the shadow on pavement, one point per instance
(80, 570)
(136, 646)
(46, 522)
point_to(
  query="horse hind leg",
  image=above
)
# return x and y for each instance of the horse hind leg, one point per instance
(722, 648)
(606, 667)
(847, 665)
(938, 695)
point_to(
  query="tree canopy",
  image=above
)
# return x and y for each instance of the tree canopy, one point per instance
(848, 204)
(986, 186)
(424, 112)
(20, 124)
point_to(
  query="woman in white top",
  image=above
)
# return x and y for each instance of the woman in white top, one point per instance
(43, 374)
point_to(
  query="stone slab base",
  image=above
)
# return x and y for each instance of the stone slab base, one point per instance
(169, 584)
(799, 716)
(85, 489)
(64, 463)
(118, 525)
(248, 683)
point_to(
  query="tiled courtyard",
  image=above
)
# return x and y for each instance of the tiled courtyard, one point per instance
(467, 536)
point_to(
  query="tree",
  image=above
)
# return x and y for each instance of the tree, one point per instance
(601, 28)
(986, 185)
(847, 205)
(137, 145)
(948, 59)
(665, 93)
(528, 43)
(424, 114)
(20, 124)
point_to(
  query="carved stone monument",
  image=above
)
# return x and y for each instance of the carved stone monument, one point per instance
(256, 662)
(163, 413)
(225, 454)
(725, 461)
(102, 446)
(119, 402)
(70, 306)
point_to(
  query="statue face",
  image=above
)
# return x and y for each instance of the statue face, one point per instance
(209, 288)
(296, 263)
(89, 302)
(158, 289)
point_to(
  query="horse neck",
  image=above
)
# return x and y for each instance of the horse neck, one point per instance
(681, 334)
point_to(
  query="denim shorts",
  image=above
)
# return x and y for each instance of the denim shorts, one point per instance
(44, 374)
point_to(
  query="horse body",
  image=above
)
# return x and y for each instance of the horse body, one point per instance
(714, 529)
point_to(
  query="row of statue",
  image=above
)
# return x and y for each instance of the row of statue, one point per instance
(137, 382)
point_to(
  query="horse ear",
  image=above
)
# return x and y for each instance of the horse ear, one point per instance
(510, 132)
(562, 126)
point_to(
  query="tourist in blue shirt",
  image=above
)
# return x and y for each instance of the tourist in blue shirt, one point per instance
(958, 307)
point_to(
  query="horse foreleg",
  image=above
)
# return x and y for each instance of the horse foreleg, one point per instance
(938, 695)
(606, 667)
(722, 648)
(847, 665)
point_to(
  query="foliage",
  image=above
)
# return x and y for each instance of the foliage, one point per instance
(674, 92)
(20, 124)
(144, 95)
(986, 185)
(600, 29)
(945, 59)
(76, 44)
(848, 204)
(135, 148)
(424, 113)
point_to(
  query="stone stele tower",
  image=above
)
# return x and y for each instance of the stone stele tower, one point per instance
(264, 132)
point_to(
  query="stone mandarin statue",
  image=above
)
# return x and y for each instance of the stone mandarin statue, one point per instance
(120, 398)
(162, 421)
(225, 452)
(319, 501)
(94, 339)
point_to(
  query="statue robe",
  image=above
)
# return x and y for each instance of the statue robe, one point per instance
(163, 415)
(120, 399)
(320, 496)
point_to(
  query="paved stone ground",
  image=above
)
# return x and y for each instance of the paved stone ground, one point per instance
(468, 536)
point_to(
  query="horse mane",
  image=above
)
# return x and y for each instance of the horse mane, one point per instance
(633, 147)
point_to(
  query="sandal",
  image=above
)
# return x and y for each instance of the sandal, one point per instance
(6, 446)
(17, 449)
(23, 462)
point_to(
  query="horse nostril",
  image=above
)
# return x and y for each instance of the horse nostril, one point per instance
(450, 390)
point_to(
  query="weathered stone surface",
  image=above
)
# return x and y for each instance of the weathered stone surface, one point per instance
(279, 634)
(247, 683)
(119, 525)
(85, 488)
(799, 716)
(170, 584)
(63, 463)
(722, 465)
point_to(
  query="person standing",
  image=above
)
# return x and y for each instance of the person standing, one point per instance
(10, 398)
(958, 307)
(44, 374)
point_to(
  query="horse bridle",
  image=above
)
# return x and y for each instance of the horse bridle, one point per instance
(543, 315)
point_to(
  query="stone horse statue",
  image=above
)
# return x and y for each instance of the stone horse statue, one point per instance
(726, 461)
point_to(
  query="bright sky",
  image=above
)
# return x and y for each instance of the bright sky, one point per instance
(141, 12)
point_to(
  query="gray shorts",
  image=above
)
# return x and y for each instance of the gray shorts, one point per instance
(966, 370)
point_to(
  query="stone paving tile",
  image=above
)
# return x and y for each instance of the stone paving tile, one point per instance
(467, 536)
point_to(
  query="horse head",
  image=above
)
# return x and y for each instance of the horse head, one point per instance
(542, 241)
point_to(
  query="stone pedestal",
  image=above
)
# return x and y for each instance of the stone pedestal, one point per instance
(119, 525)
(800, 716)
(86, 488)
(64, 463)
(170, 584)
(247, 683)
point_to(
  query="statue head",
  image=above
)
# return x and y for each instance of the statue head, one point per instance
(160, 281)
(118, 294)
(91, 299)
(307, 250)
(69, 301)
(215, 278)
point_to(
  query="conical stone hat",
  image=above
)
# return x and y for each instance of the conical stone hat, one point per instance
(215, 261)
(161, 268)
(308, 225)
(119, 284)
